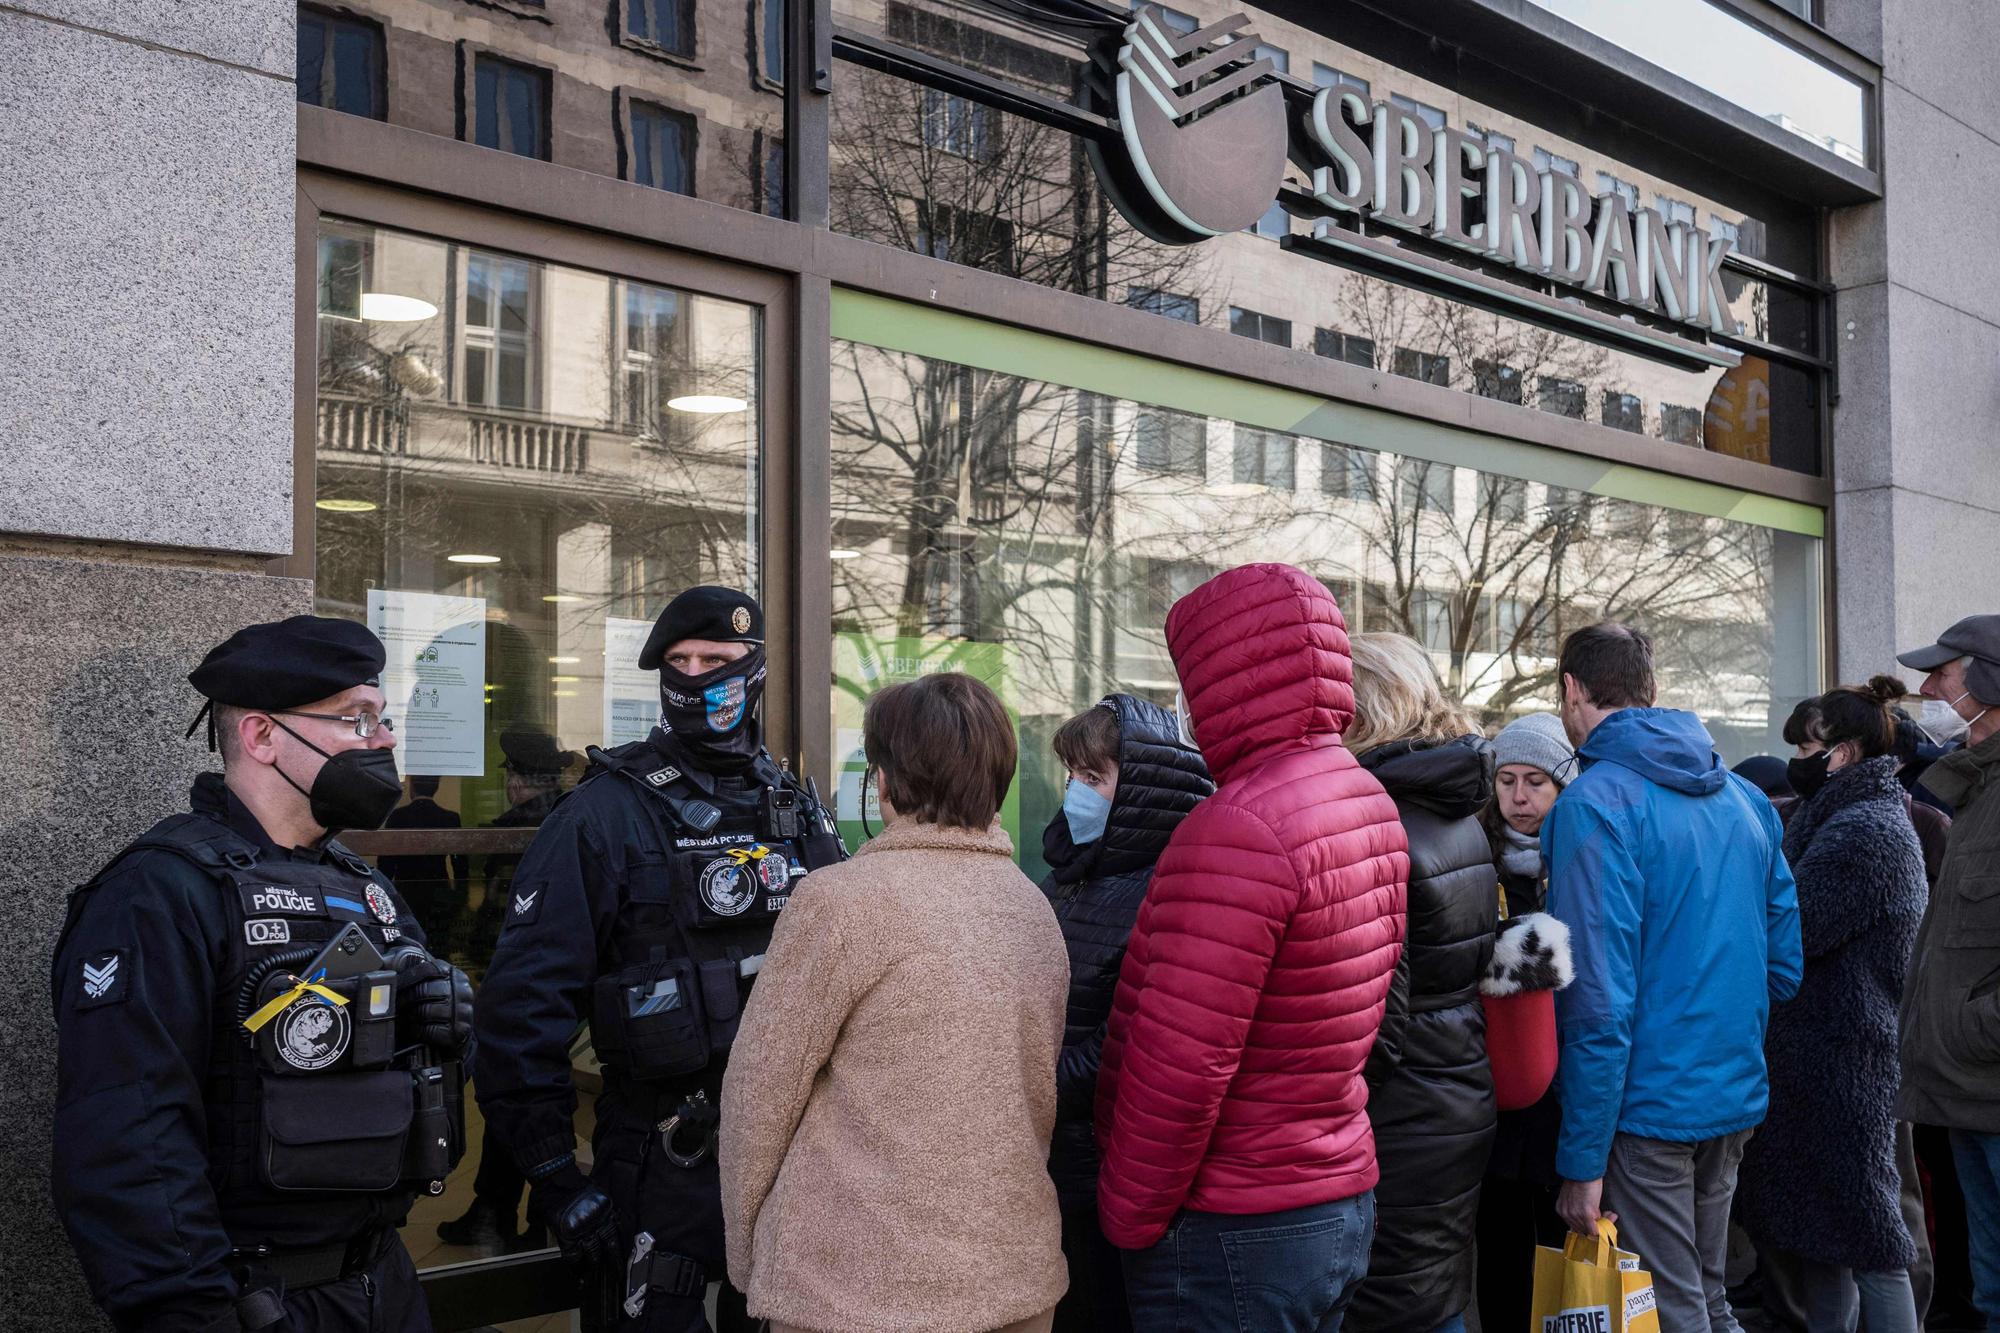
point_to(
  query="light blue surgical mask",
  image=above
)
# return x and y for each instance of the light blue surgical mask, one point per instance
(1086, 811)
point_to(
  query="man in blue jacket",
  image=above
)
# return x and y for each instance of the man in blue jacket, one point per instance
(1684, 924)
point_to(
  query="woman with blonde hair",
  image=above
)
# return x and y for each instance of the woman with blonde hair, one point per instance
(1431, 1100)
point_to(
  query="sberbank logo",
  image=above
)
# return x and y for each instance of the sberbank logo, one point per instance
(1206, 135)
(1207, 140)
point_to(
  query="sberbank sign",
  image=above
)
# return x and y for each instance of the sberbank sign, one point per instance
(1206, 129)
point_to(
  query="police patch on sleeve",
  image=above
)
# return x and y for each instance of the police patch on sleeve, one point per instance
(381, 905)
(103, 979)
(524, 905)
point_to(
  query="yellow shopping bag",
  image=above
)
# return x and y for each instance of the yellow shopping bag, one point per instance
(1592, 1287)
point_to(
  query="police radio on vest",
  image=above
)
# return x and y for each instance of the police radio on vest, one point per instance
(1385, 163)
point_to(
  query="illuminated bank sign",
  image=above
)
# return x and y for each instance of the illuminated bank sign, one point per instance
(1206, 135)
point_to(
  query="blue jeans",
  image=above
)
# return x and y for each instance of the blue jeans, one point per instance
(1978, 1159)
(1289, 1272)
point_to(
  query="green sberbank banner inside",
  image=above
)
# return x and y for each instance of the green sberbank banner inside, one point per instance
(864, 664)
(905, 326)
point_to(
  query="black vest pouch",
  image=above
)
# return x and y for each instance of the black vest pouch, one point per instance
(337, 1132)
(649, 1022)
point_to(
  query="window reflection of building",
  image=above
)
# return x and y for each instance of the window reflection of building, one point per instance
(340, 64)
(510, 106)
(1062, 233)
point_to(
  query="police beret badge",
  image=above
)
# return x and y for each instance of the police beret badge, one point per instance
(739, 620)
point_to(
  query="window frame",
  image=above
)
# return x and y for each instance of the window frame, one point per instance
(689, 18)
(333, 17)
(628, 105)
(472, 57)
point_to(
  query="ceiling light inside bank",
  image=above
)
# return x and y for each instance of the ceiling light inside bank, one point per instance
(389, 308)
(707, 404)
(347, 506)
(468, 559)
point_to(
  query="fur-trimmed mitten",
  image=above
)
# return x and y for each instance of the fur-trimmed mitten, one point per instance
(1531, 962)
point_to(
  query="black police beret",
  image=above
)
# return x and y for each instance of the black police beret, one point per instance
(720, 615)
(285, 663)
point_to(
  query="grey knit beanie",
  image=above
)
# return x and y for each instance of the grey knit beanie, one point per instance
(1536, 740)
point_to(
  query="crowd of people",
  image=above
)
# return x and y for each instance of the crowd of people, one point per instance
(1330, 1009)
(1349, 1032)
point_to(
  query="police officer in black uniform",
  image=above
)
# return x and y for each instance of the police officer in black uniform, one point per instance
(256, 1054)
(644, 906)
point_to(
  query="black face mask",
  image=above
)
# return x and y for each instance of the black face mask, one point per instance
(354, 789)
(714, 716)
(1808, 775)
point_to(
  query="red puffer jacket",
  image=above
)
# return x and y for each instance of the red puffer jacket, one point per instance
(1256, 975)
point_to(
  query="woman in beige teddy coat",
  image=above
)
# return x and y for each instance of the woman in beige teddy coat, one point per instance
(887, 1109)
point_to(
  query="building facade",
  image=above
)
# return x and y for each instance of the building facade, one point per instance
(494, 323)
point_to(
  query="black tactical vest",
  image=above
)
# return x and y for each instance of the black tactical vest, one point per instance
(695, 913)
(317, 1106)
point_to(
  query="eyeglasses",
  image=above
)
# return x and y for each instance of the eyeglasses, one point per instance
(365, 724)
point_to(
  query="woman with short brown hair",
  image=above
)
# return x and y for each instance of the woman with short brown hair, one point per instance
(889, 1099)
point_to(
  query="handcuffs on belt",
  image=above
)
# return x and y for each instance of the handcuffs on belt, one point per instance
(698, 1114)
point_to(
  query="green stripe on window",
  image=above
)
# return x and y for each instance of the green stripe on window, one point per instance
(902, 326)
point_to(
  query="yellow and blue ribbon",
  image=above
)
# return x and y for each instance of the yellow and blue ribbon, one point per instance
(301, 988)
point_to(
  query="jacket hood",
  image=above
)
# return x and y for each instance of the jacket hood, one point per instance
(1452, 779)
(1665, 746)
(1159, 781)
(1262, 655)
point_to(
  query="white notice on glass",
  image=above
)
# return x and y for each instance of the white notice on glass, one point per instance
(435, 681)
(631, 696)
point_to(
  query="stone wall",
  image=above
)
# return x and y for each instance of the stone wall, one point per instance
(146, 472)
(1917, 331)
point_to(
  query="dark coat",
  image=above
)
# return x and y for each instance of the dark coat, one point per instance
(1820, 1178)
(1432, 1109)
(1096, 890)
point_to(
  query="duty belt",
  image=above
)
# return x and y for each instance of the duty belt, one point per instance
(313, 1265)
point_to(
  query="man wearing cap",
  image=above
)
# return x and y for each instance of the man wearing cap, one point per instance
(254, 1047)
(1951, 1000)
(644, 906)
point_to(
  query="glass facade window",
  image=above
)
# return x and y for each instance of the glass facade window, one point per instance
(1429, 367)
(662, 148)
(518, 464)
(1349, 347)
(341, 62)
(1173, 305)
(1547, 161)
(1326, 76)
(1265, 458)
(1491, 379)
(550, 82)
(510, 107)
(667, 25)
(1042, 216)
(1051, 579)
(1171, 443)
(1563, 397)
(1264, 328)
(1624, 411)
(1718, 49)
(1428, 114)
(1680, 425)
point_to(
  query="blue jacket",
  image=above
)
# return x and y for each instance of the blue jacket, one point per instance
(1684, 924)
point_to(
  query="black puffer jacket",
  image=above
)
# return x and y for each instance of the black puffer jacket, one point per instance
(1096, 890)
(1432, 1108)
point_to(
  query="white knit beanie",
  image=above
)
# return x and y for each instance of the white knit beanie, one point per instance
(1537, 740)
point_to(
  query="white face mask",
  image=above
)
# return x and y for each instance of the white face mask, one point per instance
(1941, 720)
(1185, 719)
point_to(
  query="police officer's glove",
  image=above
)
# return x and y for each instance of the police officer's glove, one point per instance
(576, 1210)
(439, 997)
